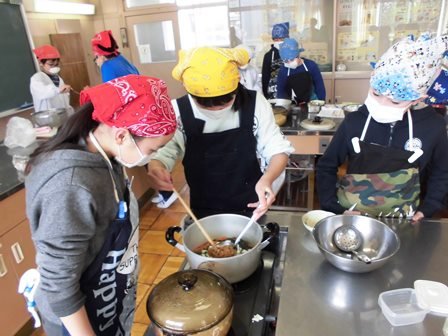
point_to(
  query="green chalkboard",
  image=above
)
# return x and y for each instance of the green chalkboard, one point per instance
(16, 59)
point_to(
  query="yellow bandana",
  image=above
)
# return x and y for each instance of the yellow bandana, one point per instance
(210, 72)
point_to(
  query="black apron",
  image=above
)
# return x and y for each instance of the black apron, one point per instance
(302, 86)
(380, 180)
(272, 84)
(221, 168)
(109, 282)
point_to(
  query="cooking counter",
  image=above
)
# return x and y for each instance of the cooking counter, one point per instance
(295, 117)
(293, 127)
(318, 299)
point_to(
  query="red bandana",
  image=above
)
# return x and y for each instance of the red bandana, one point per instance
(102, 39)
(139, 103)
(46, 52)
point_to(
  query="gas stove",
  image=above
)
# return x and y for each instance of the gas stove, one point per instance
(256, 299)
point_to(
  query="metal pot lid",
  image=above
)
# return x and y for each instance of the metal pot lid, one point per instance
(320, 124)
(190, 301)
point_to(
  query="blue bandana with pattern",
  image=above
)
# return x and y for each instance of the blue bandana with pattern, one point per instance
(406, 71)
(395, 86)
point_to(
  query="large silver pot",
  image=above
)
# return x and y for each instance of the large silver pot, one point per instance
(235, 268)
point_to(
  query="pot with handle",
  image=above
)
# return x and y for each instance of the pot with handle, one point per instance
(224, 226)
(176, 305)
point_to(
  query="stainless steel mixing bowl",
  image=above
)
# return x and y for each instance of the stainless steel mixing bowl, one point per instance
(52, 117)
(380, 242)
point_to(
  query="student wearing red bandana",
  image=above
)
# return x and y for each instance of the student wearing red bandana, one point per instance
(109, 59)
(82, 213)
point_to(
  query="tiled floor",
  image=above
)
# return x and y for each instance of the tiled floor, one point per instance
(158, 259)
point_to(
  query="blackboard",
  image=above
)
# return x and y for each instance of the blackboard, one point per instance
(16, 59)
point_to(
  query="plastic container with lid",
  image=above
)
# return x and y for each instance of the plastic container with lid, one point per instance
(406, 306)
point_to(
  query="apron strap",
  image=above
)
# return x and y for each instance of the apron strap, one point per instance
(109, 164)
(366, 125)
(303, 62)
(191, 125)
(411, 132)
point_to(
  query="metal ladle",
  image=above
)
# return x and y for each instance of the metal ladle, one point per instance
(235, 242)
(348, 239)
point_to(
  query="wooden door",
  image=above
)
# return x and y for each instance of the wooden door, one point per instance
(73, 64)
(154, 41)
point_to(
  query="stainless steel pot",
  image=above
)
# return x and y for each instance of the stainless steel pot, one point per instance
(235, 268)
(193, 302)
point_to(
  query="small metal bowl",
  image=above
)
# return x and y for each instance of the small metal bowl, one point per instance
(351, 108)
(51, 118)
(380, 242)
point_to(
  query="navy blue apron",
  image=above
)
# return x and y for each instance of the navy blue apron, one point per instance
(106, 283)
(221, 168)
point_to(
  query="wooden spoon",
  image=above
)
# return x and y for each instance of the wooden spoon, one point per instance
(185, 205)
(214, 250)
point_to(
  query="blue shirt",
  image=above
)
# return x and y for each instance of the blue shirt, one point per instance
(117, 67)
(283, 89)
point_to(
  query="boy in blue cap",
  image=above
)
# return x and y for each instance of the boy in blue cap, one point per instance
(272, 61)
(299, 78)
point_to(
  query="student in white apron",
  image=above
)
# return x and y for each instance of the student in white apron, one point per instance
(83, 215)
(393, 142)
(48, 88)
(249, 76)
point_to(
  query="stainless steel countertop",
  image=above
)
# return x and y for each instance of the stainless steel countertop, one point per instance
(319, 299)
(293, 127)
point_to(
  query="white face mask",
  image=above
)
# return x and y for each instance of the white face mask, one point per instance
(144, 159)
(292, 65)
(384, 114)
(277, 44)
(216, 114)
(54, 70)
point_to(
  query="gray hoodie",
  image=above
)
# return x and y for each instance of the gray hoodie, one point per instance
(70, 204)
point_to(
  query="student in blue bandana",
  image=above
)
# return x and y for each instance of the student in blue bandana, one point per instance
(396, 145)
(299, 79)
(272, 61)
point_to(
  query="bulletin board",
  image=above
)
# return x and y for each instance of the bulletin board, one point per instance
(16, 60)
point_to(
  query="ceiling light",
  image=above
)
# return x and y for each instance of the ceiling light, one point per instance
(63, 7)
